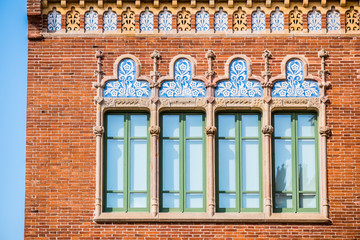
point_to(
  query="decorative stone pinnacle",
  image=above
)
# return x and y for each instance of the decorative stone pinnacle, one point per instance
(211, 130)
(154, 130)
(267, 55)
(156, 54)
(325, 131)
(99, 54)
(267, 129)
(323, 54)
(210, 54)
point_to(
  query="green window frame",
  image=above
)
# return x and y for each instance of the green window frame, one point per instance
(126, 179)
(295, 148)
(176, 133)
(242, 197)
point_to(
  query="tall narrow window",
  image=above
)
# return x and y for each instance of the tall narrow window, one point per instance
(238, 163)
(183, 163)
(295, 163)
(126, 162)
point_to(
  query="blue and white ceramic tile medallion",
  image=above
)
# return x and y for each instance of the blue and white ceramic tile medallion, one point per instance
(54, 21)
(333, 20)
(258, 21)
(91, 20)
(146, 21)
(165, 20)
(314, 21)
(238, 85)
(221, 21)
(295, 85)
(202, 22)
(110, 21)
(277, 21)
(183, 85)
(127, 85)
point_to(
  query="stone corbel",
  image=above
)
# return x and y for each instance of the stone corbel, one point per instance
(154, 131)
(325, 131)
(98, 130)
(210, 130)
(267, 130)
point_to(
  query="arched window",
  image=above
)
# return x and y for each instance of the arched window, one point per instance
(258, 21)
(146, 21)
(202, 21)
(54, 21)
(91, 20)
(277, 21)
(314, 21)
(221, 21)
(165, 20)
(333, 20)
(109, 21)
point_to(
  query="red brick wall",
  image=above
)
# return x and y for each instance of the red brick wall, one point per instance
(60, 165)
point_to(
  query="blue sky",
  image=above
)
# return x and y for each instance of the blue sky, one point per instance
(13, 67)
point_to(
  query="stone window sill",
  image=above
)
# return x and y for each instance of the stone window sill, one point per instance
(218, 217)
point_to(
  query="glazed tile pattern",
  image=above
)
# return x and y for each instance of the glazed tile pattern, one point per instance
(314, 21)
(277, 21)
(127, 85)
(221, 21)
(91, 20)
(202, 21)
(333, 20)
(258, 21)
(182, 86)
(295, 85)
(238, 84)
(110, 21)
(146, 21)
(165, 20)
(54, 21)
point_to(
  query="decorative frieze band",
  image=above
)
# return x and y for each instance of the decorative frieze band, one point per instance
(258, 19)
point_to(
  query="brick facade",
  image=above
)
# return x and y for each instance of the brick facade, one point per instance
(60, 155)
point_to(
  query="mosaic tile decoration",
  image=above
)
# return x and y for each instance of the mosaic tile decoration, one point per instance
(127, 85)
(110, 21)
(238, 85)
(182, 86)
(146, 21)
(295, 85)
(314, 21)
(54, 21)
(277, 21)
(258, 21)
(333, 20)
(91, 20)
(221, 21)
(202, 21)
(165, 20)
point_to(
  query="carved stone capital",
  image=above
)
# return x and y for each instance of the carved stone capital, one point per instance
(325, 131)
(210, 99)
(154, 130)
(99, 100)
(154, 99)
(267, 99)
(211, 130)
(98, 130)
(267, 129)
(155, 85)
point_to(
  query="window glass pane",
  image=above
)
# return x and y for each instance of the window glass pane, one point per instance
(138, 126)
(171, 200)
(306, 125)
(226, 125)
(283, 167)
(307, 201)
(170, 126)
(250, 165)
(115, 126)
(138, 200)
(250, 200)
(170, 165)
(282, 125)
(194, 200)
(283, 200)
(227, 200)
(194, 159)
(250, 125)
(194, 126)
(307, 178)
(114, 200)
(115, 165)
(227, 168)
(138, 165)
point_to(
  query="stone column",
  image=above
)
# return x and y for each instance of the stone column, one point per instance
(325, 132)
(210, 131)
(154, 132)
(267, 130)
(99, 131)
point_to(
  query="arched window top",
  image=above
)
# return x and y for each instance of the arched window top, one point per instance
(295, 85)
(54, 21)
(333, 20)
(110, 20)
(277, 20)
(182, 84)
(165, 20)
(221, 20)
(258, 20)
(238, 84)
(91, 20)
(127, 84)
(314, 20)
(202, 20)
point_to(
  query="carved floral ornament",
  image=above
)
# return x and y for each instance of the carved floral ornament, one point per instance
(113, 15)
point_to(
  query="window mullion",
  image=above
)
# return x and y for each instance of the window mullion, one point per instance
(238, 161)
(182, 162)
(126, 160)
(295, 163)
